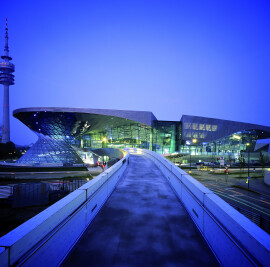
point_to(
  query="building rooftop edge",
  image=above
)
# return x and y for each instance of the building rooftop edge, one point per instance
(202, 117)
(73, 109)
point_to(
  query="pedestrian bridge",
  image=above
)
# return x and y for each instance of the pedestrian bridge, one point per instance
(142, 224)
(143, 211)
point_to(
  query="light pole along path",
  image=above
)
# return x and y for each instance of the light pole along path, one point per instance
(142, 224)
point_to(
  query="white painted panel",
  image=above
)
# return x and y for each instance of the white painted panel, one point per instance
(3, 257)
(93, 181)
(226, 251)
(177, 171)
(95, 203)
(195, 210)
(195, 187)
(177, 185)
(55, 249)
(24, 237)
(247, 233)
(94, 184)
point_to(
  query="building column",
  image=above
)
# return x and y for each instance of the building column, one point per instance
(172, 144)
(151, 140)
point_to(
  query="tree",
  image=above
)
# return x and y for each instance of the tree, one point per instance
(8, 150)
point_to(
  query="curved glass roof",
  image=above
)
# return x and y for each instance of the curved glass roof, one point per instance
(76, 122)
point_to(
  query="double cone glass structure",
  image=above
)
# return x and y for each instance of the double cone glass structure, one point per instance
(64, 133)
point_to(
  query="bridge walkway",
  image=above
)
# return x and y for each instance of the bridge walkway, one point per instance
(142, 224)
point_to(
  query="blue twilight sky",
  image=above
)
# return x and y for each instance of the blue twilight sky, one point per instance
(206, 58)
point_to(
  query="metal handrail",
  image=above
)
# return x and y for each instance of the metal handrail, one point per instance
(258, 219)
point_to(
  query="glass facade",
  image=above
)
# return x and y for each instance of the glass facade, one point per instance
(64, 133)
(127, 135)
(166, 136)
(163, 137)
(49, 151)
(233, 145)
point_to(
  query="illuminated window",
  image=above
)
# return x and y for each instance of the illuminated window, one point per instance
(202, 135)
(195, 126)
(187, 125)
(202, 127)
(214, 128)
(188, 134)
(208, 127)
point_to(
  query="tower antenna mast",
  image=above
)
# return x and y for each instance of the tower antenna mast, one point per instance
(7, 79)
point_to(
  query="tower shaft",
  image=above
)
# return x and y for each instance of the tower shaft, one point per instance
(6, 126)
(7, 79)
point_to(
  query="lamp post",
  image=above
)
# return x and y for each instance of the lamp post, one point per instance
(189, 160)
(104, 141)
(248, 144)
(189, 143)
(194, 141)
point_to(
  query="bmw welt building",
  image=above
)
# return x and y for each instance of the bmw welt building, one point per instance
(66, 135)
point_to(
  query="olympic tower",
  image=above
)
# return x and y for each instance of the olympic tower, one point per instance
(7, 79)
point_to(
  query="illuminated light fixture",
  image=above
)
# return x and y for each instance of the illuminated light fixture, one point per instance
(188, 142)
(236, 137)
(247, 144)
(104, 139)
(194, 141)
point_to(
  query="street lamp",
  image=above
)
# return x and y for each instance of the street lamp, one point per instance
(189, 143)
(189, 160)
(104, 141)
(248, 144)
(194, 141)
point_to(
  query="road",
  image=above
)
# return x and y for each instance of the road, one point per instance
(232, 190)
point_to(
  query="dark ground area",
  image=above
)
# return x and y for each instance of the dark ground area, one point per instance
(10, 218)
(23, 199)
(40, 169)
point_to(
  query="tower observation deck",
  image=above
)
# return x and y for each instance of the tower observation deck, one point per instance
(7, 79)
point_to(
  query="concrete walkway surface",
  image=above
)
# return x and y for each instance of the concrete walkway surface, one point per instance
(142, 224)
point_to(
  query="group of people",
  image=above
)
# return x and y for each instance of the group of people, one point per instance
(102, 164)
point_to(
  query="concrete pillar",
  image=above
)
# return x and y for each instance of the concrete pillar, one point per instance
(6, 127)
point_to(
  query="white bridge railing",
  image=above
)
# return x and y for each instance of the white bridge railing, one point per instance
(234, 239)
(47, 238)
